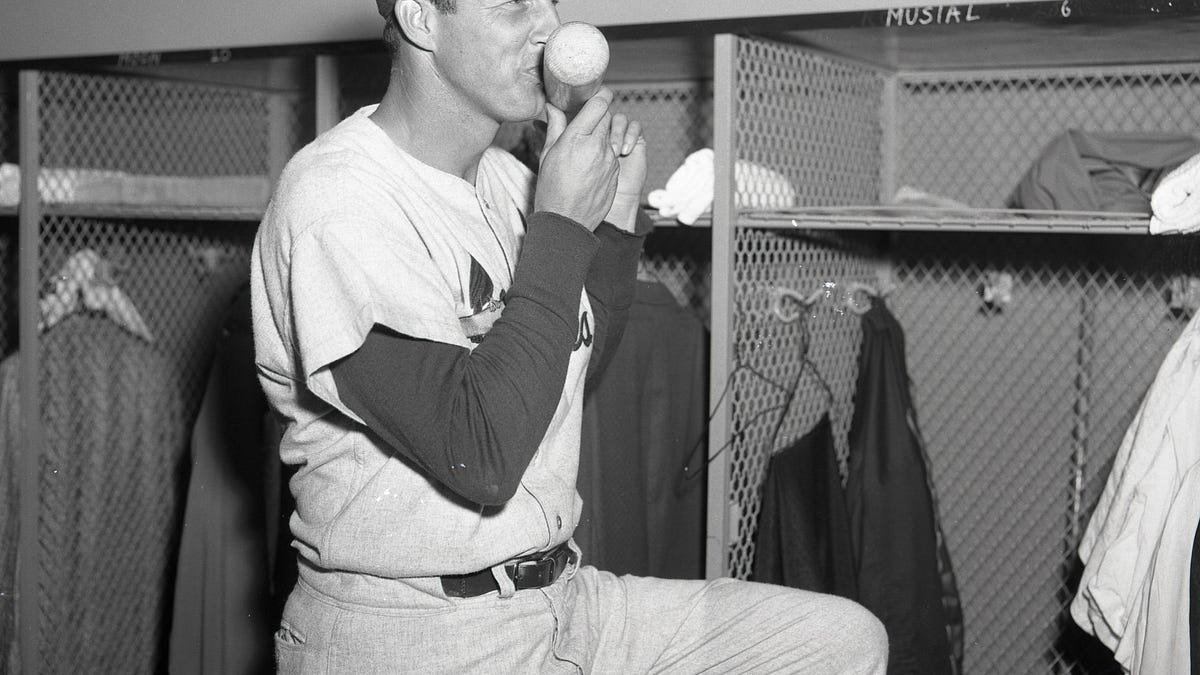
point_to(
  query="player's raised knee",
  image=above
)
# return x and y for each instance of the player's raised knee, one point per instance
(865, 639)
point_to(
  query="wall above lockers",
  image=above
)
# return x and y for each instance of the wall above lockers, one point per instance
(1044, 34)
(32, 30)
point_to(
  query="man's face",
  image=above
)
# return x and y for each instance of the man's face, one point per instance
(489, 52)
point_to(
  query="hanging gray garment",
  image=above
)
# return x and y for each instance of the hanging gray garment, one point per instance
(1101, 171)
(114, 441)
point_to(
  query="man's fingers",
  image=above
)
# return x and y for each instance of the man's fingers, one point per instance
(616, 136)
(633, 136)
(593, 112)
(556, 121)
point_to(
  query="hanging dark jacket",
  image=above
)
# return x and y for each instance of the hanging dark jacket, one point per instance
(803, 538)
(228, 586)
(642, 484)
(903, 568)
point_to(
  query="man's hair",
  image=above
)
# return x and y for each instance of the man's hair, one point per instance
(393, 37)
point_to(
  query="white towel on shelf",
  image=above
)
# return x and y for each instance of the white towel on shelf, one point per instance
(689, 191)
(1175, 203)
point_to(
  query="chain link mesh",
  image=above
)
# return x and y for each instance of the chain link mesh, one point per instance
(680, 259)
(116, 441)
(127, 146)
(972, 136)
(1017, 402)
(676, 121)
(769, 352)
(152, 126)
(813, 119)
(116, 419)
(1022, 403)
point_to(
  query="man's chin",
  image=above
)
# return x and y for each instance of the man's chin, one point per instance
(536, 111)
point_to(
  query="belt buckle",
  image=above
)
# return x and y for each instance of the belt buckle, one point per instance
(543, 571)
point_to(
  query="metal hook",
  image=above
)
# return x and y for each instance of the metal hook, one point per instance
(853, 289)
(778, 295)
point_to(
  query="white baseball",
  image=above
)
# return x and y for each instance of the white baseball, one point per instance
(573, 64)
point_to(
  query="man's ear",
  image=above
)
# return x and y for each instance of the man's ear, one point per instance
(416, 20)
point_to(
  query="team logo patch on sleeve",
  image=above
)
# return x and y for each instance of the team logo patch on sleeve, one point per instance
(485, 306)
(585, 332)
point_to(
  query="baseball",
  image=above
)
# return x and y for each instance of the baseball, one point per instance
(573, 64)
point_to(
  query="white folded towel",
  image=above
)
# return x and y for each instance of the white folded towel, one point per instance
(689, 190)
(1175, 202)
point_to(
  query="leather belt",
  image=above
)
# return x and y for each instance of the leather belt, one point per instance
(534, 571)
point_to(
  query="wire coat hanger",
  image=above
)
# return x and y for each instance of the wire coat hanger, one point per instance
(807, 365)
(86, 282)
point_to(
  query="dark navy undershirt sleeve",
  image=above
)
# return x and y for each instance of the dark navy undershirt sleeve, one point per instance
(473, 419)
(610, 285)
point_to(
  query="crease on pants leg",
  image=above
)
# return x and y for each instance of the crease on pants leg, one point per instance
(555, 596)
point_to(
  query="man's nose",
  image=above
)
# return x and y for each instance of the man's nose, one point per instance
(545, 21)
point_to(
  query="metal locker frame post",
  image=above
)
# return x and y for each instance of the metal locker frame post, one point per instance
(327, 92)
(29, 459)
(888, 119)
(724, 219)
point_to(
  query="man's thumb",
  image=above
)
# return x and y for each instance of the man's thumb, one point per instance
(556, 121)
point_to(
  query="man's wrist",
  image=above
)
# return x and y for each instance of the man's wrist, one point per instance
(623, 213)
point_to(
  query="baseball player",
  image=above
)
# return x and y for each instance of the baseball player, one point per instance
(426, 313)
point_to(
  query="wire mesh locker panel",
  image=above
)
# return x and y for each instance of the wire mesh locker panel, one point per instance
(971, 136)
(152, 126)
(676, 119)
(117, 410)
(680, 259)
(136, 264)
(810, 122)
(810, 118)
(1023, 403)
(148, 147)
(1023, 399)
(179, 278)
(775, 396)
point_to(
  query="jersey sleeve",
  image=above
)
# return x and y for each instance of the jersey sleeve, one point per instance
(474, 419)
(351, 275)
